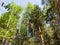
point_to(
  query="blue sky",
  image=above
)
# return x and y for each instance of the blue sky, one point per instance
(19, 2)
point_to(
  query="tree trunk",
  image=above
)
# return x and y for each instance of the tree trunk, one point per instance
(42, 38)
(7, 42)
(4, 41)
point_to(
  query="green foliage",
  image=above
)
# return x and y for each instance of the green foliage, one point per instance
(28, 9)
(32, 12)
(35, 14)
(23, 30)
(52, 3)
(4, 19)
(14, 11)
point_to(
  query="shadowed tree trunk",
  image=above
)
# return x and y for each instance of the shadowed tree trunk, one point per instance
(4, 41)
(38, 28)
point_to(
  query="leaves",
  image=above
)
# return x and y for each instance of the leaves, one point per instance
(8, 32)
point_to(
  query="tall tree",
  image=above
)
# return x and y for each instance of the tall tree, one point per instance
(36, 16)
(9, 21)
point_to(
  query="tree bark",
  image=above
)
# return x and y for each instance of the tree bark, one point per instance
(4, 41)
(42, 38)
